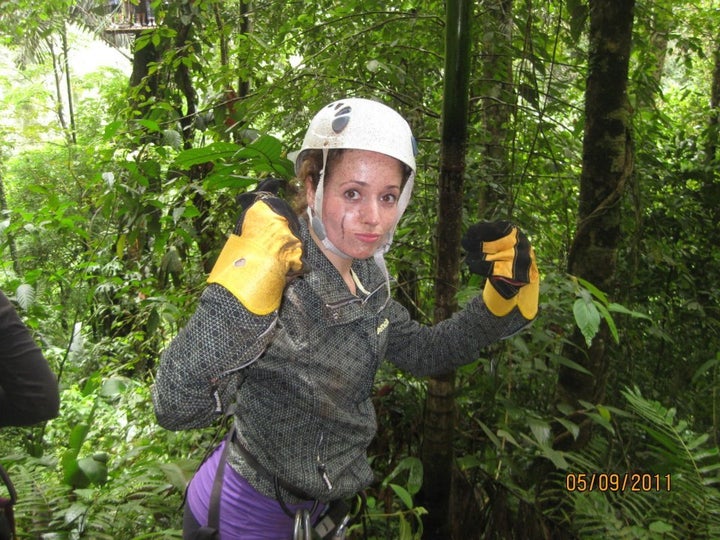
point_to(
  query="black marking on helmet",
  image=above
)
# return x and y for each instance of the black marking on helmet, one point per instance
(340, 123)
(342, 117)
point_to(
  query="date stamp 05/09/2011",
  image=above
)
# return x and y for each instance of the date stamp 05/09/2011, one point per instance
(618, 482)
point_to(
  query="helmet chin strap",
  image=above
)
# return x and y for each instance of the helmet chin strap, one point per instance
(319, 229)
(315, 215)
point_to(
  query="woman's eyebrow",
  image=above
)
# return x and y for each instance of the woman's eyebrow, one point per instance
(365, 184)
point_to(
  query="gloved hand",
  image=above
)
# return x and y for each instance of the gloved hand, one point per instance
(262, 253)
(500, 251)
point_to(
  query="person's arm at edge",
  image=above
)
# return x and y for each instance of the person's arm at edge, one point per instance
(29, 391)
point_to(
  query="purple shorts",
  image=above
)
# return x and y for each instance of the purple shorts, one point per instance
(244, 513)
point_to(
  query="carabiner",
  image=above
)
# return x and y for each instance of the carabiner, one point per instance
(342, 528)
(302, 529)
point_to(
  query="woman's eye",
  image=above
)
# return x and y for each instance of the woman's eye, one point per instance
(352, 194)
(390, 198)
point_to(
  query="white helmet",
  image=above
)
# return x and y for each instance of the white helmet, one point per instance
(361, 124)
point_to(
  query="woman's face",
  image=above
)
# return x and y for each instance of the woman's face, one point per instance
(360, 201)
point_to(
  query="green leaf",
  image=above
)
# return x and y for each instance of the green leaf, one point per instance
(540, 429)
(573, 365)
(578, 16)
(403, 495)
(212, 152)
(150, 125)
(76, 512)
(609, 321)
(557, 457)
(179, 473)
(413, 466)
(507, 436)
(113, 387)
(597, 293)
(660, 527)
(468, 462)
(706, 367)
(77, 436)
(111, 129)
(618, 308)
(587, 317)
(701, 439)
(604, 412)
(572, 427)
(490, 435)
(405, 531)
(601, 421)
(95, 470)
(72, 474)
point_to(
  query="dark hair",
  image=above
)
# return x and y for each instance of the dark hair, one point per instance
(311, 165)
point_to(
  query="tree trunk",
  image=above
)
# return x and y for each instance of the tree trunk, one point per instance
(144, 84)
(711, 148)
(607, 165)
(710, 201)
(437, 452)
(496, 93)
(10, 235)
(68, 84)
(245, 29)
(57, 76)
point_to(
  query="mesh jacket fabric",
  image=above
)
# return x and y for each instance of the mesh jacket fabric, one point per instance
(303, 408)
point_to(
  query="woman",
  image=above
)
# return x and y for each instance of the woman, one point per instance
(296, 319)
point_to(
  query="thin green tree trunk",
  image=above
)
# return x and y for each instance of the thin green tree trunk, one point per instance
(68, 85)
(437, 453)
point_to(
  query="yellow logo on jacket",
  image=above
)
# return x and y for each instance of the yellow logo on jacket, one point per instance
(383, 326)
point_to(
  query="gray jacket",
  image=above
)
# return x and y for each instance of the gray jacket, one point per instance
(299, 382)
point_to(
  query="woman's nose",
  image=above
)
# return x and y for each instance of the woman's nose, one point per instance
(371, 212)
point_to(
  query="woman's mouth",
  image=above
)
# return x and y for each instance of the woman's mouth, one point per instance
(367, 238)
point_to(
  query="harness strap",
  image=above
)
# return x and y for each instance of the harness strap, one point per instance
(9, 485)
(214, 508)
(7, 519)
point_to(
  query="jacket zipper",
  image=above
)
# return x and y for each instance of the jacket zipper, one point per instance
(322, 467)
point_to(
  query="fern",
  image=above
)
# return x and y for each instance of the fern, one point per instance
(663, 445)
(693, 498)
(40, 500)
(25, 296)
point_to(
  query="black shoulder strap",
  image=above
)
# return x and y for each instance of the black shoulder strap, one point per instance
(9, 485)
(7, 519)
(214, 508)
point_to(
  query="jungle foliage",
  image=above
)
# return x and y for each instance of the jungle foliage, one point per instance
(117, 189)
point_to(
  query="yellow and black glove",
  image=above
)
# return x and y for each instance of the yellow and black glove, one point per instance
(263, 252)
(500, 251)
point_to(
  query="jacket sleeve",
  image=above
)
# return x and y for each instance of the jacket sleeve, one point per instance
(432, 350)
(199, 370)
(28, 388)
